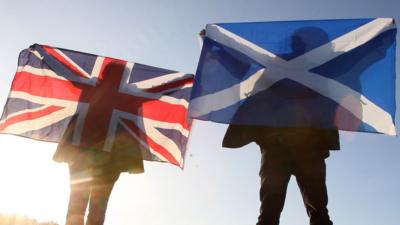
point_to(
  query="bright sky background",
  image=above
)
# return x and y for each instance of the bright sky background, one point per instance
(218, 186)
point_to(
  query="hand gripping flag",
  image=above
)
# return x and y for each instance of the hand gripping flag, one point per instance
(103, 95)
(335, 74)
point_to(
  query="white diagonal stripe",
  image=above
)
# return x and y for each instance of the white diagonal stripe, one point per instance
(229, 96)
(40, 72)
(144, 144)
(257, 82)
(134, 91)
(38, 123)
(72, 62)
(382, 123)
(37, 54)
(11, 115)
(43, 100)
(97, 67)
(342, 44)
(170, 126)
(148, 127)
(321, 54)
(370, 112)
(50, 73)
(161, 80)
(22, 127)
(176, 89)
(242, 45)
(70, 108)
(84, 80)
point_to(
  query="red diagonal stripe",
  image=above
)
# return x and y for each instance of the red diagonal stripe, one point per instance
(64, 61)
(29, 116)
(150, 142)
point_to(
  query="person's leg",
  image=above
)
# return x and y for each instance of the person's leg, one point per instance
(80, 179)
(310, 176)
(275, 174)
(101, 190)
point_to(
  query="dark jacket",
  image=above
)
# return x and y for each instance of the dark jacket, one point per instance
(239, 135)
(124, 157)
(298, 102)
(298, 142)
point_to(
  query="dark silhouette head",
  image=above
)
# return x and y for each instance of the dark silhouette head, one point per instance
(306, 39)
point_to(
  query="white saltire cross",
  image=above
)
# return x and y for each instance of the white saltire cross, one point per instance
(297, 70)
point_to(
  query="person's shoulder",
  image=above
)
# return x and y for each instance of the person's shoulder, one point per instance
(237, 136)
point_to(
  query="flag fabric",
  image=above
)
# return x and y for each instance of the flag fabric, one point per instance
(103, 95)
(334, 74)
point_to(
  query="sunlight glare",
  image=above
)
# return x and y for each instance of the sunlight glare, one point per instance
(32, 184)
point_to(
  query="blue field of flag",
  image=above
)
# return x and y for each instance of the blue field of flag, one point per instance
(335, 74)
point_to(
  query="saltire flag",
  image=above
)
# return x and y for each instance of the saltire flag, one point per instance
(104, 95)
(334, 74)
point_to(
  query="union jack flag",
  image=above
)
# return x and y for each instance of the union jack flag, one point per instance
(103, 94)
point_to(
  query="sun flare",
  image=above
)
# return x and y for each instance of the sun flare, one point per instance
(31, 183)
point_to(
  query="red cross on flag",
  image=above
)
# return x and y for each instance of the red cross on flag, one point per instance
(54, 85)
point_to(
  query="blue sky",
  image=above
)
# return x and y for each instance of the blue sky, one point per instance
(218, 186)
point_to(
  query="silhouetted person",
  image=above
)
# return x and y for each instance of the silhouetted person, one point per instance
(93, 171)
(300, 151)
